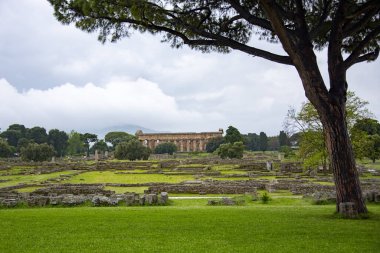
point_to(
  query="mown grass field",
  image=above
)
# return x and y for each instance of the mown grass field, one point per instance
(188, 228)
(288, 223)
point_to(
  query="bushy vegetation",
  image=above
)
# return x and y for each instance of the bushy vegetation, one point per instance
(231, 150)
(5, 149)
(37, 152)
(213, 144)
(165, 148)
(132, 150)
(265, 198)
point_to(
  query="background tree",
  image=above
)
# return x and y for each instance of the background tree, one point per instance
(18, 127)
(75, 144)
(132, 150)
(365, 136)
(37, 152)
(100, 145)
(117, 137)
(312, 147)
(283, 139)
(263, 141)
(273, 143)
(232, 135)
(252, 141)
(59, 140)
(231, 150)
(37, 134)
(213, 144)
(5, 149)
(348, 29)
(87, 139)
(12, 137)
(165, 148)
(22, 143)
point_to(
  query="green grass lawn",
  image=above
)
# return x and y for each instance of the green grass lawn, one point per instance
(111, 177)
(258, 228)
(28, 179)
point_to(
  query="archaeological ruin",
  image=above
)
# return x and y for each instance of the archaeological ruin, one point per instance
(185, 142)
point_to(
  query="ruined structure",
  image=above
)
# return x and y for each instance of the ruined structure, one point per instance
(185, 142)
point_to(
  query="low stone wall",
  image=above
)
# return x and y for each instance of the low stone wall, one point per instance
(33, 199)
(215, 187)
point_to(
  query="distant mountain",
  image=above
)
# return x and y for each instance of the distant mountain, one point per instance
(131, 129)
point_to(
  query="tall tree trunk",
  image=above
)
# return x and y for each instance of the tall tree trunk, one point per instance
(338, 143)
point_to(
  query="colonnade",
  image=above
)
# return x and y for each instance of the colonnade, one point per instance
(183, 145)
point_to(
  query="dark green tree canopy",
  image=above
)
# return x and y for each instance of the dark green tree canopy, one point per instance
(283, 139)
(232, 135)
(263, 141)
(37, 152)
(5, 149)
(18, 127)
(252, 141)
(213, 144)
(117, 137)
(132, 150)
(87, 139)
(100, 145)
(367, 125)
(12, 137)
(58, 139)
(37, 134)
(231, 150)
(165, 148)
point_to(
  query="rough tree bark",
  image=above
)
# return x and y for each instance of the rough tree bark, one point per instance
(342, 160)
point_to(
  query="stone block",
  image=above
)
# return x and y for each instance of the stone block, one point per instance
(164, 198)
(151, 199)
(142, 200)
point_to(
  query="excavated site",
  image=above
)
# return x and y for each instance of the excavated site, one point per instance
(110, 182)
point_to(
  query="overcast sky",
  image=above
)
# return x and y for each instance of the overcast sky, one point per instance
(57, 76)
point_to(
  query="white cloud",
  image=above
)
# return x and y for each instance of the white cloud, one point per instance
(186, 91)
(120, 101)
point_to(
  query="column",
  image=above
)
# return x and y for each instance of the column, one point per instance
(188, 146)
(151, 144)
(194, 145)
(181, 145)
(201, 145)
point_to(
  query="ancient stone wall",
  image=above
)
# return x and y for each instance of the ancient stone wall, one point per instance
(185, 142)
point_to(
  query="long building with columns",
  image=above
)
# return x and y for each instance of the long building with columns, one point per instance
(185, 142)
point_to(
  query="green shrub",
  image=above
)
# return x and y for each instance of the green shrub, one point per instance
(5, 149)
(132, 150)
(37, 152)
(230, 150)
(165, 148)
(265, 198)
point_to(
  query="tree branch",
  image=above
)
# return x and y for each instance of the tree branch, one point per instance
(270, 8)
(355, 55)
(335, 41)
(260, 22)
(212, 39)
(350, 29)
(316, 29)
(366, 57)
